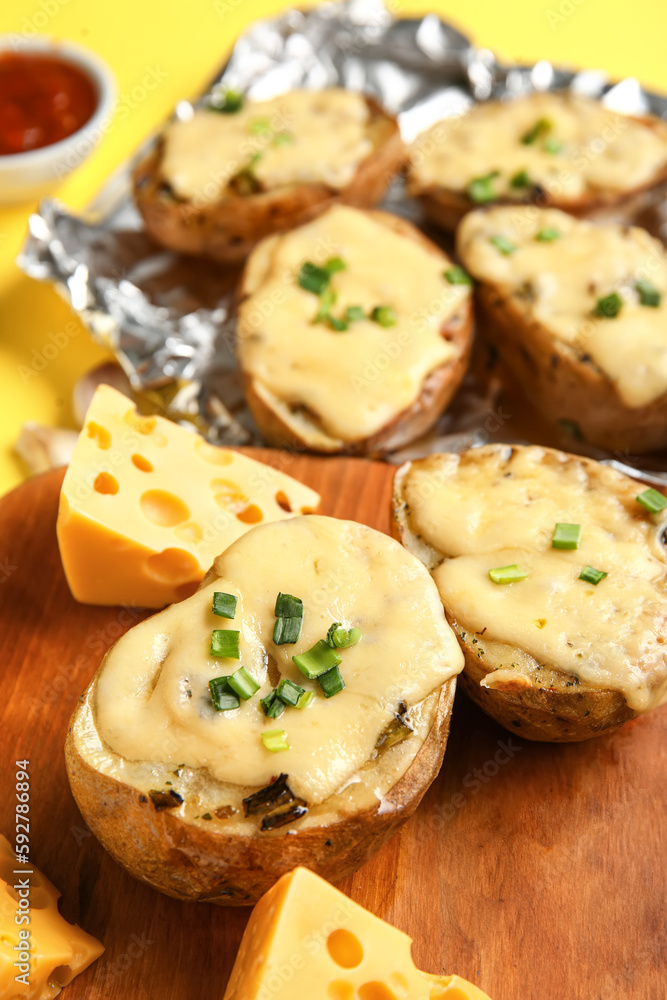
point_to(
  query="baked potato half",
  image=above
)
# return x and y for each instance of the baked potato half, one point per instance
(577, 313)
(353, 333)
(215, 184)
(204, 779)
(553, 575)
(553, 149)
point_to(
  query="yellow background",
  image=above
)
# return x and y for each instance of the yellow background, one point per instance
(183, 42)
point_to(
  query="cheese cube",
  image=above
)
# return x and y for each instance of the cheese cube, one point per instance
(307, 939)
(146, 505)
(42, 952)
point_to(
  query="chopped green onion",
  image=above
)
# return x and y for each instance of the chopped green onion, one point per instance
(305, 699)
(501, 243)
(288, 606)
(341, 638)
(591, 575)
(289, 692)
(224, 604)
(287, 630)
(507, 574)
(223, 696)
(275, 740)
(313, 278)
(228, 103)
(259, 125)
(225, 642)
(547, 235)
(481, 189)
(282, 139)
(649, 295)
(244, 685)
(652, 500)
(540, 128)
(339, 325)
(331, 682)
(272, 705)
(521, 180)
(327, 300)
(330, 632)
(552, 146)
(317, 660)
(457, 276)
(609, 306)
(335, 264)
(252, 160)
(384, 315)
(566, 536)
(353, 313)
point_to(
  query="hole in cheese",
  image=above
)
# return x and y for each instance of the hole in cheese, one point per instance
(105, 483)
(340, 990)
(163, 508)
(99, 434)
(142, 425)
(142, 463)
(62, 975)
(376, 991)
(209, 452)
(345, 948)
(400, 984)
(190, 532)
(173, 566)
(251, 515)
(283, 501)
(228, 495)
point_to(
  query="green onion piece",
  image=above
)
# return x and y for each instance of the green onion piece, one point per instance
(547, 235)
(327, 300)
(275, 740)
(649, 295)
(259, 125)
(228, 103)
(552, 146)
(287, 630)
(330, 633)
(331, 682)
(384, 315)
(289, 692)
(282, 139)
(353, 313)
(224, 604)
(652, 500)
(313, 278)
(521, 180)
(339, 325)
(591, 575)
(317, 660)
(566, 536)
(343, 639)
(305, 699)
(609, 306)
(457, 276)
(481, 189)
(244, 685)
(288, 606)
(223, 696)
(540, 128)
(272, 705)
(225, 642)
(252, 160)
(335, 264)
(501, 243)
(507, 574)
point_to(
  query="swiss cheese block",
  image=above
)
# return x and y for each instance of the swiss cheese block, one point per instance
(146, 505)
(39, 951)
(306, 939)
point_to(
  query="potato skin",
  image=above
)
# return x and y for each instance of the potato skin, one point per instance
(190, 863)
(226, 230)
(436, 392)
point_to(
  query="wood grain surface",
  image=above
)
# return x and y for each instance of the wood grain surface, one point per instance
(536, 871)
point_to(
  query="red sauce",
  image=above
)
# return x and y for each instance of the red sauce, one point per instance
(43, 99)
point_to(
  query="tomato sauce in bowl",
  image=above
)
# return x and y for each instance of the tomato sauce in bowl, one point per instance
(43, 99)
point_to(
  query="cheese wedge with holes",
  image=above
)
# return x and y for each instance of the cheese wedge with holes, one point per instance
(146, 505)
(307, 939)
(41, 954)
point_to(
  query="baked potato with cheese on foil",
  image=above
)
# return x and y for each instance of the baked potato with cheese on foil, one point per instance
(552, 572)
(236, 170)
(552, 148)
(353, 333)
(576, 312)
(291, 712)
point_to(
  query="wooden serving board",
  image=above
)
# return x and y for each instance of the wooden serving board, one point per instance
(536, 871)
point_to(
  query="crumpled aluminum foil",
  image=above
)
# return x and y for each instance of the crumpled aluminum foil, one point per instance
(167, 318)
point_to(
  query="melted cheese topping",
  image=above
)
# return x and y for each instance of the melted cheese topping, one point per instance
(559, 283)
(354, 382)
(344, 572)
(302, 137)
(496, 506)
(599, 150)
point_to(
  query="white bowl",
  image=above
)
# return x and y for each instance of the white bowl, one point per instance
(27, 176)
